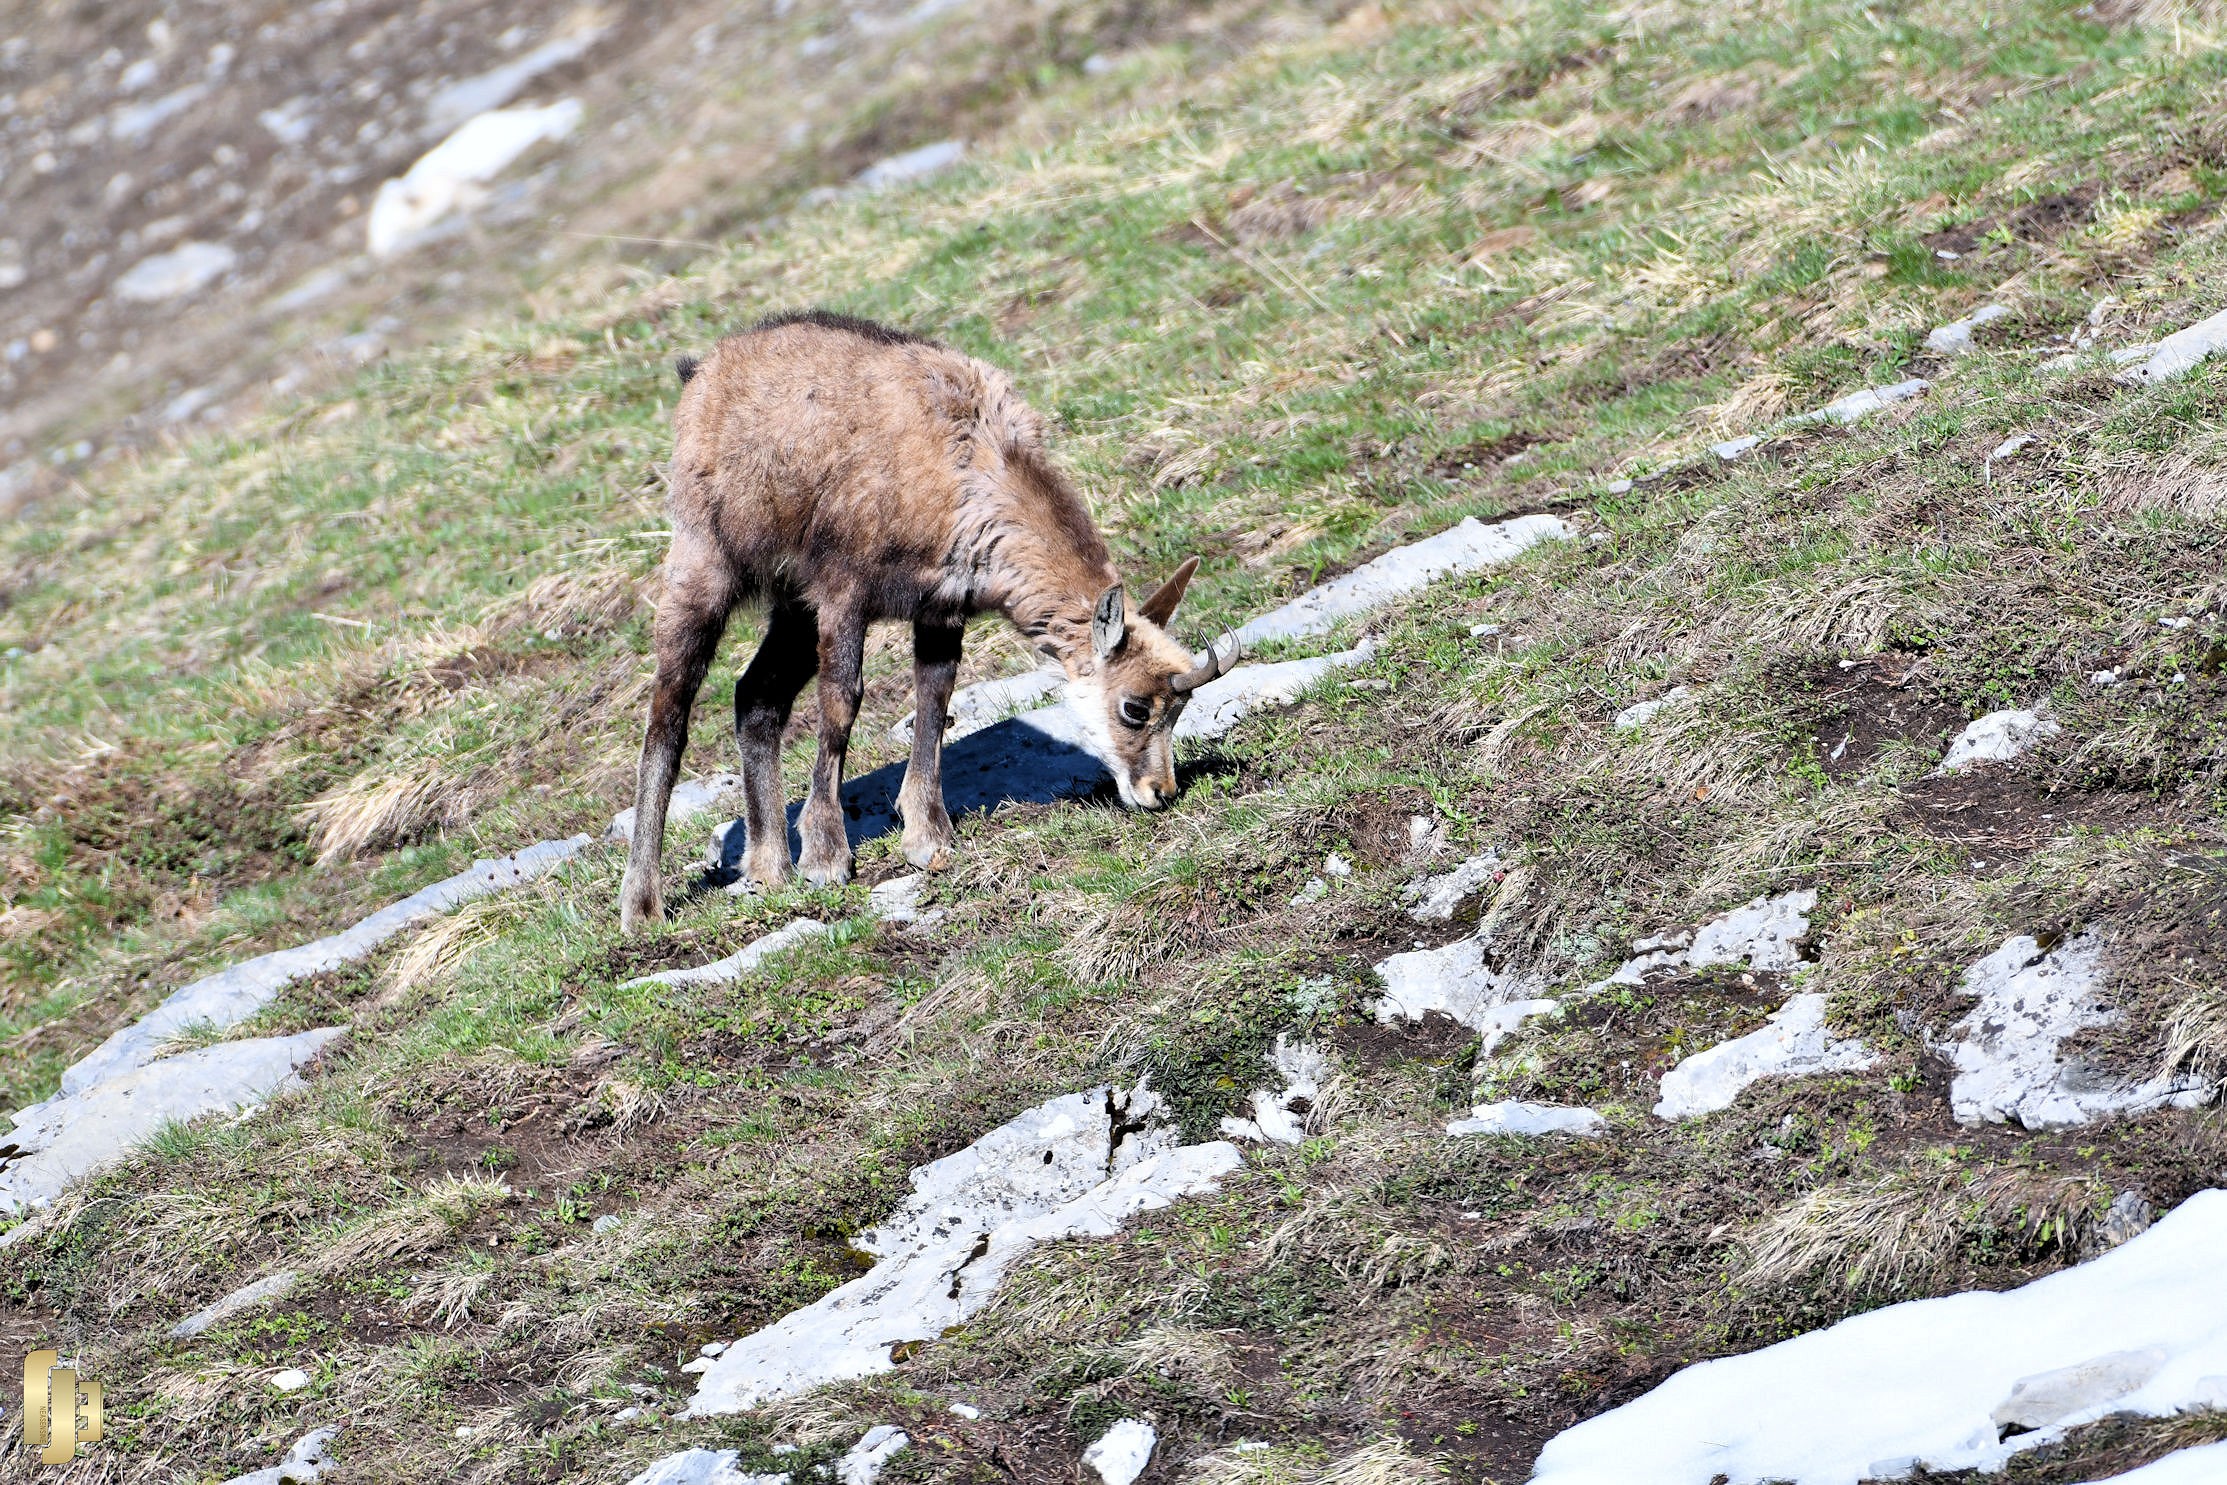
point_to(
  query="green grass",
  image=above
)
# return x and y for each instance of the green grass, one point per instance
(1246, 299)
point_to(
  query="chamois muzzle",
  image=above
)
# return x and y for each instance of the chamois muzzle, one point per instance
(1215, 665)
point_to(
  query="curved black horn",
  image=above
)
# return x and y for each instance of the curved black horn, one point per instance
(1215, 664)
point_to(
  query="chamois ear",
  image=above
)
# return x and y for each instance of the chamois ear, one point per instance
(1160, 607)
(1109, 622)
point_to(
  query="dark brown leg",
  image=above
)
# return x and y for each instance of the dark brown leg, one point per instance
(689, 623)
(826, 860)
(764, 693)
(935, 667)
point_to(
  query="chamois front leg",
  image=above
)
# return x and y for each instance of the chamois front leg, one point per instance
(935, 667)
(764, 693)
(689, 624)
(826, 860)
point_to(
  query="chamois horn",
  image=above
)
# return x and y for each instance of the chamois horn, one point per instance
(1215, 664)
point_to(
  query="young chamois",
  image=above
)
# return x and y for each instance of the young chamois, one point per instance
(839, 473)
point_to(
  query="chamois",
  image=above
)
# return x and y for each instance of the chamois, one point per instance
(839, 473)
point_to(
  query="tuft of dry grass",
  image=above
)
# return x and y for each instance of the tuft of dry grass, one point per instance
(417, 1226)
(1382, 1461)
(379, 807)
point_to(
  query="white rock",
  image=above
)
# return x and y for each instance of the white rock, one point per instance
(1280, 1116)
(1121, 1453)
(274, 1286)
(1916, 1384)
(292, 121)
(453, 175)
(1733, 448)
(966, 1410)
(1471, 546)
(2181, 352)
(987, 703)
(2010, 446)
(1314, 890)
(459, 101)
(1764, 934)
(293, 1379)
(1639, 712)
(1955, 338)
(2130, 1216)
(138, 75)
(912, 165)
(864, 1462)
(603, 1224)
(2008, 1066)
(1514, 1117)
(1793, 1044)
(703, 1467)
(626, 1415)
(310, 1457)
(1437, 897)
(711, 1348)
(183, 270)
(1863, 404)
(898, 901)
(1460, 982)
(135, 123)
(691, 797)
(742, 961)
(1076, 1166)
(1334, 865)
(72, 1135)
(1997, 737)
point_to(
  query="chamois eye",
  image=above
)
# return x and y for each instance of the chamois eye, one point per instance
(1135, 712)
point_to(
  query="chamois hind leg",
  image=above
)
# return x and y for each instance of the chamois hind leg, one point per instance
(935, 666)
(764, 693)
(693, 615)
(826, 860)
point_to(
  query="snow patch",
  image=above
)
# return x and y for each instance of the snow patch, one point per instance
(1121, 1452)
(703, 1467)
(73, 1135)
(1764, 934)
(459, 101)
(1459, 981)
(864, 1461)
(1221, 704)
(898, 901)
(2008, 1066)
(2204, 1465)
(310, 1457)
(1794, 1044)
(1516, 1117)
(1997, 737)
(989, 702)
(912, 165)
(1921, 1384)
(739, 963)
(690, 797)
(185, 269)
(1639, 713)
(453, 175)
(1858, 405)
(1280, 1117)
(1074, 1166)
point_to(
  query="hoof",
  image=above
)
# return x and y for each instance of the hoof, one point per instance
(639, 906)
(827, 873)
(929, 855)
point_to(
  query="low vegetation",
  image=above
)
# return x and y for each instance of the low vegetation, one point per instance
(1332, 292)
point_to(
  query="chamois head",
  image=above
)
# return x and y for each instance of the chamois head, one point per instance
(1136, 686)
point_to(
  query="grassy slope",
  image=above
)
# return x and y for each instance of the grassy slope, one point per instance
(1286, 312)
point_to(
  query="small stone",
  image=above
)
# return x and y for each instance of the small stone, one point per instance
(626, 1415)
(2129, 1217)
(1335, 865)
(465, 1430)
(966, 1410)
(604, 1223)
(293, 1379)
(2104, 678)
(1483, 631)
(1640, 712)
(1315, 890)
(711, 1348)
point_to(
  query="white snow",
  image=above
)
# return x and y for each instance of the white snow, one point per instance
(2008, 1066)
(459, 101)
(1764, 934)
(1997, 737)
(1222, 703)
(273, 1286)
(2204, 1465)
(1121, 1452)
(135, 122)
(1437, 897)
(185, 269)
(1955, 338)
(898, 901)
(690, 797)
(292, 121)
(1469, 547)
(1733, 448)
(1515, 1117)
(703, 1467)
(293, 1379)
(1280, 1116)
(310, 1457)
(1864, 403)
(1639, 713)
(1793, 1044)
(912, 165)
(453, 175)
(73, 1135)
(2010, 446)
(864, 1461)
(2181, 352)
(989, 702)
(1881, 1394)
(1075, 1166)
(742, 961)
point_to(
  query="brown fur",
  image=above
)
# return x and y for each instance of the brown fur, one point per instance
(841, 473)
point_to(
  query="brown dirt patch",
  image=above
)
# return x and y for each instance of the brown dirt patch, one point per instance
(2003, 811)
(1871, 702)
